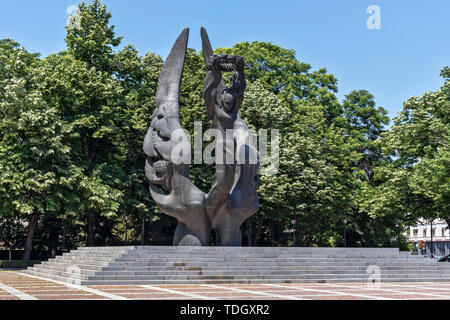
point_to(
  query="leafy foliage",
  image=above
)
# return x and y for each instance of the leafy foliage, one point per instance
(414, 180)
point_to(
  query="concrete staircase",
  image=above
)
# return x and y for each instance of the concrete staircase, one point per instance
(191, 265)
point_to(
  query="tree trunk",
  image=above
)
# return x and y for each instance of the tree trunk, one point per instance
(258, 231)
(90, 230)
(143, 231)
(249, 231)
(29, 242)
(53, 238)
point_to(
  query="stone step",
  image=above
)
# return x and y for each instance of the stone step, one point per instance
(248, 250)
(254, 276)
(62, 264)
(252, 281)
(249, 259)
(256, 250)
(111, 248)
(238, 265)
(221, 281)
(224, 257)
(246, 270)
(53, 274)
(233, 259)
(67, 270)
(245, 250)
(231, 264)
(93, 255)
(101, 259)
(263, 267)
(209, 248)
(229, 273)
(256, 270)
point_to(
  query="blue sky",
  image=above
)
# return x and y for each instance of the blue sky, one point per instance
(400, 60)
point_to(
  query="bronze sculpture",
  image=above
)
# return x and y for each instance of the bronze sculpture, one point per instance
(233, 196)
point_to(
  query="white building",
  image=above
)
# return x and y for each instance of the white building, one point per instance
(423, 236)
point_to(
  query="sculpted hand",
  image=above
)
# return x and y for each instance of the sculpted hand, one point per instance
(224, 62)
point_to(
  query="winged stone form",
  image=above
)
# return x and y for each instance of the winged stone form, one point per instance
(168, 156)
(232, 197)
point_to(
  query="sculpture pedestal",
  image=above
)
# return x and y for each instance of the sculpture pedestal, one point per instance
(201, 265)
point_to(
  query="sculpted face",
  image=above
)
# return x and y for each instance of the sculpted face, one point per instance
(231, 98)
(228, 100)
(228, 107)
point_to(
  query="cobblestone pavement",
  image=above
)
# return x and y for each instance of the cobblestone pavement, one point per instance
(15, 286)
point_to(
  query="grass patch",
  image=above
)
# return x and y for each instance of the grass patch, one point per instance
(17, 264)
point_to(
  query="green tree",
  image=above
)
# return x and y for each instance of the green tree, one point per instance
(138, 78)
(87, 100)
(415, 177)
(93, 40)
(115, 99)
(33, 156)
(364, 123)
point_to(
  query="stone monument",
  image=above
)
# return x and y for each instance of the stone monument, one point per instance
(232, 197)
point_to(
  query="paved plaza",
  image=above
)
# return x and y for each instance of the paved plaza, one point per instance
(17, 286)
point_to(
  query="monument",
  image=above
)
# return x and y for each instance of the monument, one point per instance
(232, 197)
